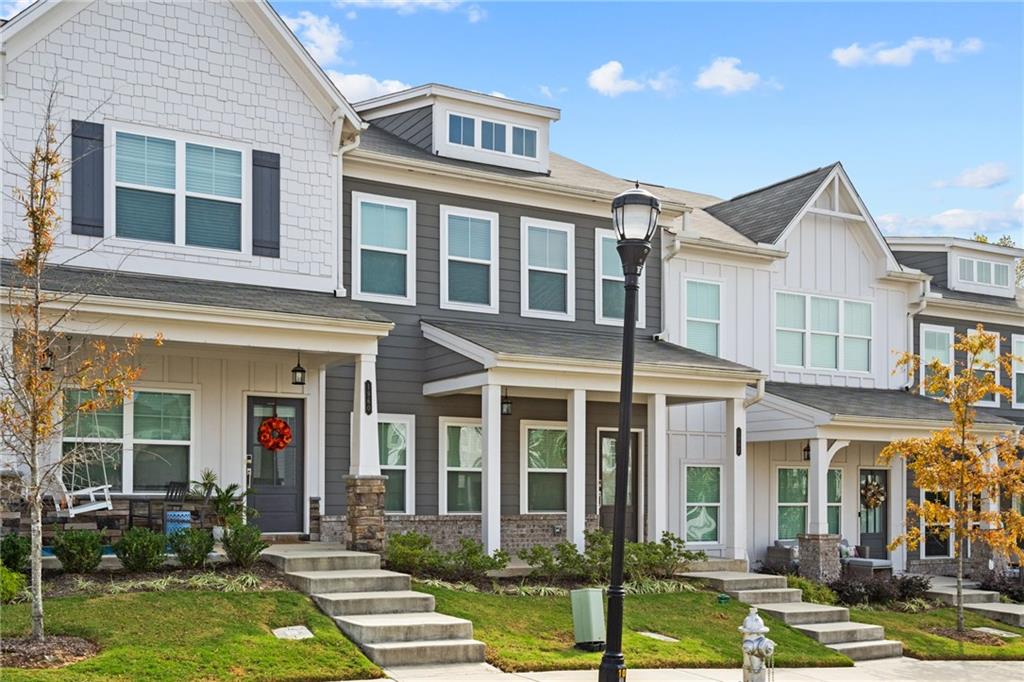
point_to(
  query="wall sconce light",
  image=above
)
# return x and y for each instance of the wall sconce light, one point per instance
(807, 451)
(506, 404)
(298, 372)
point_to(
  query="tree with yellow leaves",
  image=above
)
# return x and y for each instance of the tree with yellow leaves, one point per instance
(969, 474)
(40, 362)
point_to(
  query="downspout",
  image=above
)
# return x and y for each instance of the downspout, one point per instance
(758, 396)
(909, 386)
(341, 147)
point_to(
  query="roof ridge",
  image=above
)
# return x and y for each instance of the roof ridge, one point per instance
(780, 182)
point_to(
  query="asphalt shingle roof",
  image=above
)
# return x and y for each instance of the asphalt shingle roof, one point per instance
(870, 402)
(195, 292)
(581, 345)
(1002, 301)
(762, 214)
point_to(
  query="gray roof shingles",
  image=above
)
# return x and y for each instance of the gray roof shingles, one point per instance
(972, 297)
(76, 280)
(763, 214)
(870, 402)
(580, 345)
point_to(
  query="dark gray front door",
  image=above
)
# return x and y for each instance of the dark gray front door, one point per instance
(874, 523)
(606, 493)
(277, 478)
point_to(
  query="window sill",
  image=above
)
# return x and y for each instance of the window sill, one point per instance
(541, 315)
(180, 249)
(382, 298)
(469, 307)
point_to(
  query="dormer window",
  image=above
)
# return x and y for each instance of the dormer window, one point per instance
(974, 271)
(502, 138)
(524, 142)
(492, 136)
(461, 130)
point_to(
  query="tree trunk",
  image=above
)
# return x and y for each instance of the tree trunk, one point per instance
(37, 566)
(960, 584)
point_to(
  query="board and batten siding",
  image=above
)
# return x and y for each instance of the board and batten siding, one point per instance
(406, 360)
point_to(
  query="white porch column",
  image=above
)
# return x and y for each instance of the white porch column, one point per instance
(576, 503)
(365, 455)
(897, 510)
(817, 488)
(734, 530)
(657, 466)
(490, 485)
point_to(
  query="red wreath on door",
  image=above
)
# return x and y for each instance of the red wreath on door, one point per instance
(274, 434)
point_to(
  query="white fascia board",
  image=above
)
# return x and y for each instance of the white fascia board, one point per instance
(438, 90)
(944, 243)
(35, 22)
(683, 245)
(458, 344)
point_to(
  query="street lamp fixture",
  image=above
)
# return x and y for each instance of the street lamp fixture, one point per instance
(635, 217)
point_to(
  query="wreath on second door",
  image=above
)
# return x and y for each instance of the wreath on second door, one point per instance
(873, 494)
(274, 434)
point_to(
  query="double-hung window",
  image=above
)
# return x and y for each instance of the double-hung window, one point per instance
(703, 503)
(548, 270)
(834, 501)
(991, 273)
(609, 285)
(524, 142)
(469, 259)
(1018, 371)
(938, 541)
(462, 449)
(703, 315)
(545, 467)
(492, 136)
(383, 249)
(141, 445)
(792, 503)
(822, 333)
(987, 363)
(178, 192)
(462, 130)
(396, 437)
(936, 344)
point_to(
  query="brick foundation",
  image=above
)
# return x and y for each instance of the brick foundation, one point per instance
(819, 557)
(517, 531)
(365, 496)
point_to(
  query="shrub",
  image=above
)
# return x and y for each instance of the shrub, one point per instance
(79, 551)
(813, 592)
(661, 559)
(470, 562)
(849, 591)
(12, 584)
(412, 553)
(415, 553)
(880, 590)
(910, 588)
(141, 549)
(243, 545)
(14, 551)
(192, 545)
(1010, 588)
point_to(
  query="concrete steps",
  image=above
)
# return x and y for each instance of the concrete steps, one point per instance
(829, 625)
(375, 608)
(947, 595)
(1011, 614)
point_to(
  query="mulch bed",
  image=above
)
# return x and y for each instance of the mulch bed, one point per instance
(972, 636)
(55, 651)
(58, 584)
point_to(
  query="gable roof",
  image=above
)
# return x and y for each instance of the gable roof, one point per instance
(762, 215)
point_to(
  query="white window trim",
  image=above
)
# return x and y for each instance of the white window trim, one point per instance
(982, 287)
(950, 539)
(686, 504)
(776, 504)
(1018, 368)
(536, 140)
(476, 130)
(807, 331)
(128, 440)
(924, 361)
(481, 147)
(525, 224)
(409, 421)
(179, 192)
(478, 137)
(410, 251)
(599, 276)
(442, 440)
(686, 310)
(993, 401)
(493, 265)
(524, 479)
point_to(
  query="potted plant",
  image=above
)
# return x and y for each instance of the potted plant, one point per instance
(203, 488)
(228, 506)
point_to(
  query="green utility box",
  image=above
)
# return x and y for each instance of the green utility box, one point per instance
(588, 618)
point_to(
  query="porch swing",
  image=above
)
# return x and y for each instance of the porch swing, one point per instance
(78, 493)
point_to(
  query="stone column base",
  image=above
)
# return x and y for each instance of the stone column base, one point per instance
(365, 512)
(819, 557)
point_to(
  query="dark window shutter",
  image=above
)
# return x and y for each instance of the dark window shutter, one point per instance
(266, 204)
(87, 178)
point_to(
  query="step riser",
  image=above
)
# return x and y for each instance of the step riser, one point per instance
(326, 563)
(869, 651)
(769, 582)
(844, 636)
(1015, 619)
(969, 598)
(375, 605)
(339, 584)
(786, 596)
(405, 633)
(810, 617)
(427, 654)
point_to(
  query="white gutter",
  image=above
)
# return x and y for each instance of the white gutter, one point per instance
(339, 200)
(757, 397)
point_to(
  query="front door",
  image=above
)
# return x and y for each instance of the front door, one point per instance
(874, 521)
(276, 479)
(606, 492)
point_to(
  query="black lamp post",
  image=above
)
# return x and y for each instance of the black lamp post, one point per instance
(635, 215)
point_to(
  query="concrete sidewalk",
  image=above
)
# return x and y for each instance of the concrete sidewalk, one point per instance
(890, 670)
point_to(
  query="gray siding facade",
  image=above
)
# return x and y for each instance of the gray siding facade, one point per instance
(406, 360)
(935, 263)
(415, 127)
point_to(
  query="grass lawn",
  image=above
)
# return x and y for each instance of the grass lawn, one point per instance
(535, 633)
(193, 636)
(913, 630)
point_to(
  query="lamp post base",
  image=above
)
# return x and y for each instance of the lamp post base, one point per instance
(613, 668)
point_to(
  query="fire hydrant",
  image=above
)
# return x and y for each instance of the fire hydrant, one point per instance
(757, 649)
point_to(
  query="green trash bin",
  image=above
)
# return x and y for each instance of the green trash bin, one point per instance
(588, 618)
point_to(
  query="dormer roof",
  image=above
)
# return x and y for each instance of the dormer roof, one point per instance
(413, 98)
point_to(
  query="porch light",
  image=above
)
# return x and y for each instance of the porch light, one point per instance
(506, 404)
(298, 372)
(807, 451)
(635, 216)
(48, 362)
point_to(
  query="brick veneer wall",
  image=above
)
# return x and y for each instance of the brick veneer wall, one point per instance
(517, 531)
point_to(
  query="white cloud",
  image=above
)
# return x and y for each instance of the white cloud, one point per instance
(11, 7)
(954, 222)
(1019, 204)
(881, 54)
(550, 92)
(475, 14)
(664, 82)
(359, 86)
(498, 93)
(725, 75)
(321, 36)
(351, 15)
(980, 177)
(607, 79)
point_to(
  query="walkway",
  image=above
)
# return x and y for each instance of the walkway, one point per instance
(983, 602)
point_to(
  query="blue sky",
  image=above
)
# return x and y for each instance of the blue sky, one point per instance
(921, 102)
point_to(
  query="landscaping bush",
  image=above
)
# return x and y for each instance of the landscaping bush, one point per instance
(192, 545)
(12, 584)
(659, 560)
(910, 588)
(140, 550)
(813, 592)
(412, 553)
(79, 551)
(880, 590)
(243, 545)
(470, 562)
(415, 553)
(1004, 585)
(14, 551)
